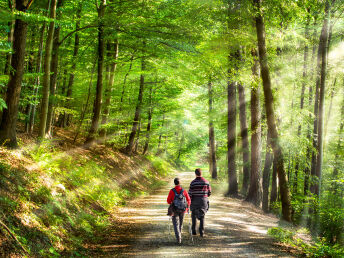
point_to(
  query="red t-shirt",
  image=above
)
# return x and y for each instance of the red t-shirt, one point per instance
(178, 188)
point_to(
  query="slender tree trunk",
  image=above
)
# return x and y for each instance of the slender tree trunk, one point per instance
(244, 139)
(266, 174)
(37, 82)
(255, 191)
(149, 124)
(212, 151)
(270, 114)
(92, 134)
(82, 116)
(8, 125)
(124, 82)
(136, 144)
(322, 73)
(109, 89)
(304, 83)
(66, 117)
(10, 39)
(46, 75)
(160, 135)
(330, 107)
(231, 139)
(53, 76)
(129, 147)
(307, 170)
(274, 188)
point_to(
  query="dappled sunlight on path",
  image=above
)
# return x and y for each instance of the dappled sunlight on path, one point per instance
(232, 229)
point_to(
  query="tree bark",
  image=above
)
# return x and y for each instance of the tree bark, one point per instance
(53, 76)
(322, 73)
(244, 139)
(8, 125)
(149, 124)
(274, 188)
(10, 39)
(304, 83)
(66, 117)
(212, 150)
(46, 75)
(270, 114)
(231, 139)
(255, 190)
(266, 174)
(92, 134)
(129, 147)
(108, 90)
(37, 81)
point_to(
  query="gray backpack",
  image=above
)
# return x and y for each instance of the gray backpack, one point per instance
(179, 202)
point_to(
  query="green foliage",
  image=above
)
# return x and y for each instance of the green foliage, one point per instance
(321, 248)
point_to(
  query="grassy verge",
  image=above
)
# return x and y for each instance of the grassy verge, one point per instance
(57, 201)
(293, 238)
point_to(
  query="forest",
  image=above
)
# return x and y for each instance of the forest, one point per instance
(251, 90)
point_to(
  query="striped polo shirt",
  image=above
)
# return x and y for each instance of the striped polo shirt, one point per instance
(199, 187)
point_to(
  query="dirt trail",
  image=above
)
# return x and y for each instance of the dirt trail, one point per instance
(232, 229)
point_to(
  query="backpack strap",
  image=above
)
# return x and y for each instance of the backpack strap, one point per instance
(175, 192)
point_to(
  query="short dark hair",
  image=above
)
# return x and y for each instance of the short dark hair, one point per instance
(176, 181)
(198, 172)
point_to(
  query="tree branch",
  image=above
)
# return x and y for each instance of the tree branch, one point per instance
(72, 32)
(14, 237)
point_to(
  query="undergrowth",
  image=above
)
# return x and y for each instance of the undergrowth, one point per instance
(63, 201)
(320, 248)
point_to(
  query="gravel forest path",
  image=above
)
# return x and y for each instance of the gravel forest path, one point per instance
(233, 228)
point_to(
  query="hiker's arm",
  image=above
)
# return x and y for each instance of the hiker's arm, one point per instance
(170, 197)
(187, 198)
(209, 191)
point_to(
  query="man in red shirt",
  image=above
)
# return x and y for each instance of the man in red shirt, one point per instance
(178, 215)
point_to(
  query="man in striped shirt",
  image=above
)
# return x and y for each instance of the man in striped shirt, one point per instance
(199, 192)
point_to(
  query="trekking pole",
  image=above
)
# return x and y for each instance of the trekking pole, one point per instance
(190, 230)
(169, 227)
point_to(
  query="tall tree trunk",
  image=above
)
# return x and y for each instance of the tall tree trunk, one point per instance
(53, 76)
(160, 135)
(92, 134)
(307, 170)
(231, 138)
(330, 107)
(266, 174)
(46, 75)
(149, 124)
(244, 139)
(37, 81)
(8, 125)
(274, 188)
(124, 82)
(270, 114)
(304, 83)
(108, 90)
(10, 39)
(322, 74)
(255, 191)
(212, 150)
(66, 117)
(82, 116)
(129, 147)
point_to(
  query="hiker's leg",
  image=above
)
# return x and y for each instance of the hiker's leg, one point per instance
(193, 216)
(201, 226)
(175, 221)
(181, 218)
